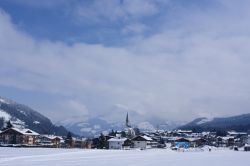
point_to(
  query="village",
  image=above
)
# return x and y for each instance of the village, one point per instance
(129, 138)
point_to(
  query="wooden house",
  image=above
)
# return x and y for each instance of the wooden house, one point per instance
(50, 140)
(247, 148)
(197, 142)
(225, 141)
(18, 136)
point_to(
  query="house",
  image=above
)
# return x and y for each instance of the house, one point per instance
(141, 142)
(236, 134)
(117, 142)
(87, 143)
(182, 143)
(18, 136)
(247, 148)
(82, 143)
(225, 141)
(50, 140)
(197, 142)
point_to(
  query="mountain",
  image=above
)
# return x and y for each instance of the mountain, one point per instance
(237, 123)
(91, 127)
(23, 116)
(94, 126)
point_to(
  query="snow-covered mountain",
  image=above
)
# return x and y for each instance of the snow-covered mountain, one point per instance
(238, 123)
(90, 127)
(22, 116)
(94, 126)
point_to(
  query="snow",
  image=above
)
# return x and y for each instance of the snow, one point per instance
(205, 120)
(4, 115)
(117, 139)
(52, 136)
(79, 157)
(3, 101)
(97, 127)
(23, 112)
(87, 129)
(146, 126)
(18, 123)
(36, 122)
(24, 131)
(146, 138)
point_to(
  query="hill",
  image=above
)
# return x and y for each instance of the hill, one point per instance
(237, 123)
(22, 116)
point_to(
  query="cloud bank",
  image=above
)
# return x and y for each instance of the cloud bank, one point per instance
(196, 64)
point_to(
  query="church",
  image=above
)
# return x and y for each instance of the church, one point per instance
(130, 132)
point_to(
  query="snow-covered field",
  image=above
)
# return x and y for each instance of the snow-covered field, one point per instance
(152, 157)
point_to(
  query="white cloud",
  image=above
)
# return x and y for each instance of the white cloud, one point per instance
(41, 4)
(136, 28)
(199, 68)
(114, 10)
(77, 107)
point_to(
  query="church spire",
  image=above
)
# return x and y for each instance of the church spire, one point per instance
(127, 121)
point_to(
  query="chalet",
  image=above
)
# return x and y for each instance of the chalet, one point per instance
(86, 143)
(117, 142)
(18, 136)
(247, 148)
(197, 142)
(225, 141)
(142, 142)
(82, 143)
(50, 140)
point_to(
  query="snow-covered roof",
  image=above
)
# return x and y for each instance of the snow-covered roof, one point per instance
(193, 139)
(23, 131)
(174, 138)
(236, 133)
(184, 131)
(52, 136)
(147, 138)
(27, 131)
(205, 133)
(226, 138)
(142, 138)
(117, 139)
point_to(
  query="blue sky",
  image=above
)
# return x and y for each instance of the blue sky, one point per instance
(84, 21)
(153, 58)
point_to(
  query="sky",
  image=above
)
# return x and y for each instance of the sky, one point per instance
(165, 59)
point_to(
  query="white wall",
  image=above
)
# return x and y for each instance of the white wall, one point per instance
(140, 144)
(115, 145)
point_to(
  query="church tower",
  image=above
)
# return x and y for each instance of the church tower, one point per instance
(127, 121)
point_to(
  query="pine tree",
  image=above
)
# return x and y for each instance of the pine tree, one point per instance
(112, 133)
(9, 125)
(69, 140)
(123, 134)
(102, 142)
